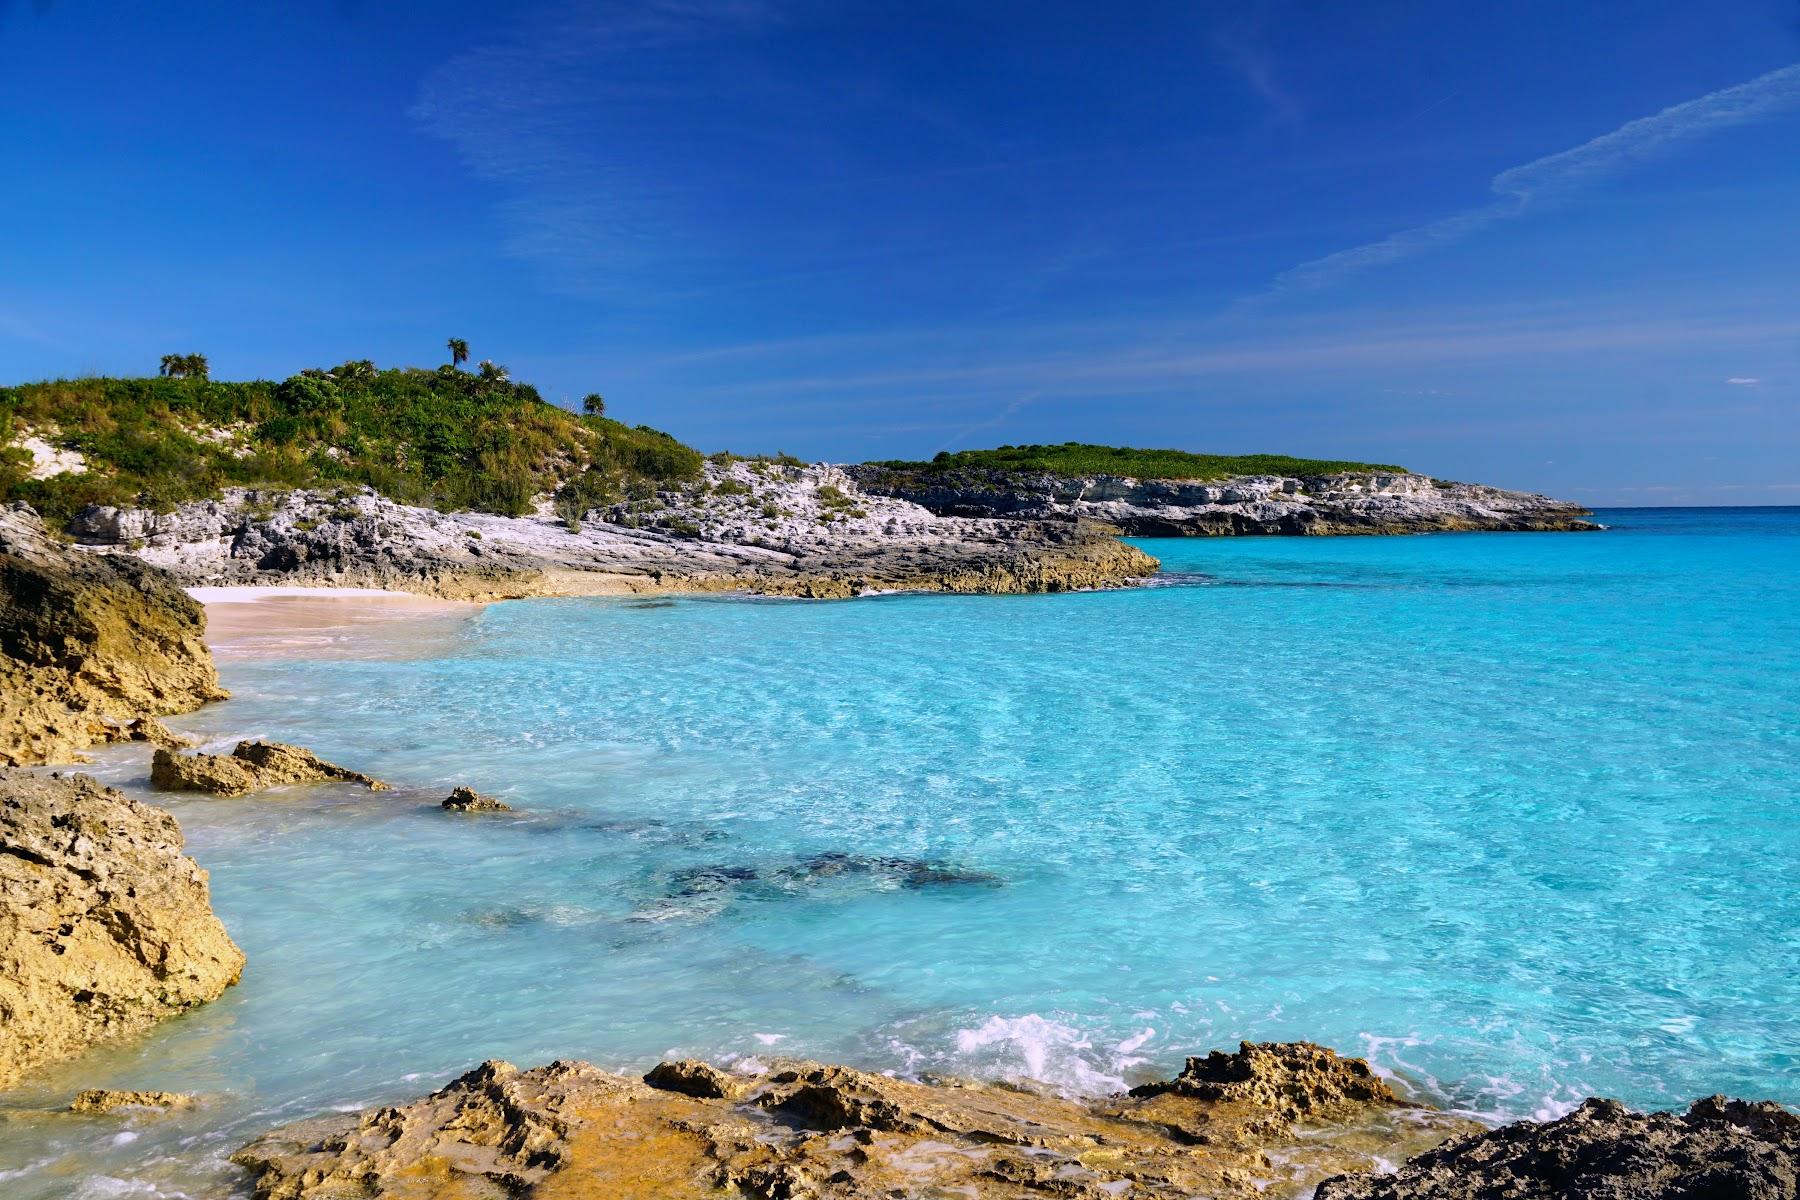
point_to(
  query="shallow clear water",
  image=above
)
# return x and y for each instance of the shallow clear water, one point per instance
(1518, 816)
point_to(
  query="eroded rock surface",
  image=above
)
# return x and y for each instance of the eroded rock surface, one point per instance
(104, 1100)
(105, 926)
(89, 644)
(1718, 1150)
(250, 767)
(801, 1129)
(758, 527)
(1352, 502)
(467, 799)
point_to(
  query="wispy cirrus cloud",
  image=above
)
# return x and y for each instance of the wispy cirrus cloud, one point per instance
(533, 112)
(1557, 177)
(1744, 380)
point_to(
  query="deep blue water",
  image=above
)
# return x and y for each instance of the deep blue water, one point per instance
(1518, 816)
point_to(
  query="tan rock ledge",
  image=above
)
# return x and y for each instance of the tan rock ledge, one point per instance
(250, 767)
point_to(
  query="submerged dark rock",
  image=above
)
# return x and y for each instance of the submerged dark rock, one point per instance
(709, 889)
(1718, 1150)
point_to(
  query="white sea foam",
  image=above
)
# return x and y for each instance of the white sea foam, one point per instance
(1039, 1049)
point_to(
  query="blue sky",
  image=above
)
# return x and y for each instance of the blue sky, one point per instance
(1546, 245)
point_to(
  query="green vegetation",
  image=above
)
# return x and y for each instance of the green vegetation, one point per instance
(444, 438)
(1080, 458)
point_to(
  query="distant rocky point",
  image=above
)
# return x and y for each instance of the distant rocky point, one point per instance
(1257, 494)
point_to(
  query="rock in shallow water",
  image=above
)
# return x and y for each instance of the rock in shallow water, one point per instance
(467, 799)
(250, 767)
(105, 926)
(105, 1100)
(802, 1129)
(1718, 1150)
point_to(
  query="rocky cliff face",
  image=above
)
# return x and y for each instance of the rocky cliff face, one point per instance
(1718, 1148)
(1363, 502)
(88, 644)
(797, 1129)
(782, 530)
(105, 926)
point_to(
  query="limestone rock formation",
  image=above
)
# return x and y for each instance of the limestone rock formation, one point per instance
(1719, 1148)
(467, 799)
(250, 767)
(105, 926)
(803, 1130)
(744, 526)
(104, 1100)
(88, 644)
(1352, 502)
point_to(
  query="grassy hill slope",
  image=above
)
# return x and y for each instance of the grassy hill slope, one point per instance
(442, 438)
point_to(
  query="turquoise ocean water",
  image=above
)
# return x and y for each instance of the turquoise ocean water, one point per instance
(1516, 816)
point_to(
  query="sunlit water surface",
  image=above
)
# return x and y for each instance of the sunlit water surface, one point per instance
(1514, 815)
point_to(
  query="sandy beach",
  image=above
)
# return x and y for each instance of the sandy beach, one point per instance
(265, 622)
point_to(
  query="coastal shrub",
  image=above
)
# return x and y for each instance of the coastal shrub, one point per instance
(732, 487)
(1080, 458)
(443, 438)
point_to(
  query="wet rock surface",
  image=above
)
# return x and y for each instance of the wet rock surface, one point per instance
(759, 527)
(89, 644)
(106, 927)
(250, 767)
(467, 799)
(1718, 1150)
(105, 1100)
(799, 1129)
(1348, 503)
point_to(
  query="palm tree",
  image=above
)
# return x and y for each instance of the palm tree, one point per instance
(184, 366)
(459, 352)
(492, 372)
(593, 404)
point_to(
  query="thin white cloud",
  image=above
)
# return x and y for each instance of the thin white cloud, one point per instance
(519, 113)
(1744, 380)
(1559, 176)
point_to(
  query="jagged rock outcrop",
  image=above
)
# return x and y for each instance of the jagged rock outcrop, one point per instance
(250, 767)
(1349, 503)
(89, 644)
(467, 799)
(745, 526)
(95, 1101)
(1718, 1150)
(105, 926)
(801, 1130)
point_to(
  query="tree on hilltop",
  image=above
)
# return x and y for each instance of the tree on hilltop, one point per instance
(593, 404)
(184, 366)
(492, 372)
(459, 352)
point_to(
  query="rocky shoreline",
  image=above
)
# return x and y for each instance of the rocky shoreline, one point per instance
(91, 647)
(745, 526)
(1281, 1120)
(1357, 502)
